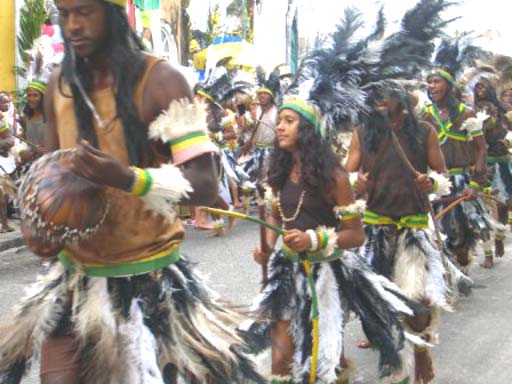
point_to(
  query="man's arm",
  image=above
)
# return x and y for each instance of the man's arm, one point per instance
(200, 171)
(51, 138)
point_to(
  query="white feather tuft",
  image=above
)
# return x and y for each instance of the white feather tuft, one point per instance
(508, 139)
(139, 350)
(182, 117)
(474, 124)
(168, 188)
(358, 207)
(444, 185)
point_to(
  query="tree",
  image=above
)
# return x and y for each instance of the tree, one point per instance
(32, 16)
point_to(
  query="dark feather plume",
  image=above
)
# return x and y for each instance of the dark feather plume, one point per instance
(346, 79)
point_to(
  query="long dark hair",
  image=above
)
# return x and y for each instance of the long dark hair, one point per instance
(317, 159)
(29, 112)
(378, 126)
(126, 60)
(490, 96)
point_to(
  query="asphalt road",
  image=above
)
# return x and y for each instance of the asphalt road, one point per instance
(475, 340)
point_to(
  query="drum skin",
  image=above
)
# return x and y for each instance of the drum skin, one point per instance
(61, 205)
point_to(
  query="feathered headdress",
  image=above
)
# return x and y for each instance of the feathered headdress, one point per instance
(221, 83)
(455, 54)
(338, 87)
(503, 65)
(274, 84)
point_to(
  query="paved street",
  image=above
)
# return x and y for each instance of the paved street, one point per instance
(476, 344)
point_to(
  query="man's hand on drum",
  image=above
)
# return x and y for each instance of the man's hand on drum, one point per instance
(100, 168)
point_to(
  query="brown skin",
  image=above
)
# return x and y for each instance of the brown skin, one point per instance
(350, 235)
(5, 101)
(84, 25)
(506, 98)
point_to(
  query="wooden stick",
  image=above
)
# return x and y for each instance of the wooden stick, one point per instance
(427, 203)
(263, 232)
(452, 206)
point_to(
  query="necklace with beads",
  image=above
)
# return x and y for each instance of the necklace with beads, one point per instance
(297, 210)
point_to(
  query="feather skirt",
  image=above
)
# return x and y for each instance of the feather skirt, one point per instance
(411, 259)
(257, 165)
(129, 327)
(468, 222)
(501, 178)
(343, 285)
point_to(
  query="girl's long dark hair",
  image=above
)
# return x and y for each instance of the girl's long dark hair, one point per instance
(123, 51)
(29, 112)
(317, 159)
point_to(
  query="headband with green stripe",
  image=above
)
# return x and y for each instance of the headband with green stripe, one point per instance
(307, 110)
(37, 85)
(265, 90)
(121, 3)
(444, 74)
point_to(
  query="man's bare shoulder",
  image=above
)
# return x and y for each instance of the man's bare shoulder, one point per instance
(165, 83)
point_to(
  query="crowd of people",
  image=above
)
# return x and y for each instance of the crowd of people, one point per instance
(383, 171)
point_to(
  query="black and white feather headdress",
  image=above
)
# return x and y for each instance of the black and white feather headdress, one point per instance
(274, 84)
(338, 87)
(222, 84)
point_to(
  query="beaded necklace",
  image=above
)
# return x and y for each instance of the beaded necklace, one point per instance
(297, 210)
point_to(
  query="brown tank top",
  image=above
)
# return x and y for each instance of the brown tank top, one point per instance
(495, 129)
(457, 154)
(391, 187)
(315, 210)
(129, 232)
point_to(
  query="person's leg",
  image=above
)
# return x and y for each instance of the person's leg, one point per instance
(3, 214)
(282, 349)
(424, 368)
(58, 364)
(500, 234)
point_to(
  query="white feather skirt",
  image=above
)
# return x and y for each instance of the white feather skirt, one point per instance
(501, 177)
(343, 285)
(129, 329)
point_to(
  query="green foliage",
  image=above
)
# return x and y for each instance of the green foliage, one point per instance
(32, 16)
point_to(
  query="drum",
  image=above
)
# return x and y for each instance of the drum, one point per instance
(57, 204)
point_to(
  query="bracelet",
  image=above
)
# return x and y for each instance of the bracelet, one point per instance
(323, 239)
(142, 181)
(435, 185)
(314, 240)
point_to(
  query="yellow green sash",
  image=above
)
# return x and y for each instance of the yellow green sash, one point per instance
(416, 221)
(313, 257)
(445, 127)
(149, 264)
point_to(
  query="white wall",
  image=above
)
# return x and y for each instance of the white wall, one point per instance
(270, 32)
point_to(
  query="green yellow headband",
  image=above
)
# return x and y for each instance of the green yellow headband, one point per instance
(38, 86)
(206, 95)
(305, 109)
(4, 126)
(264, 90)
(121, 3)
(444, 74)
